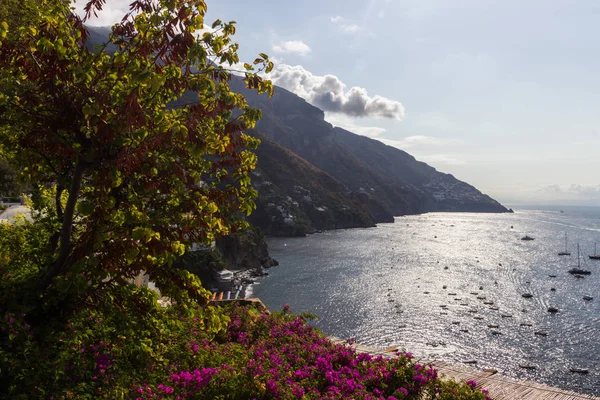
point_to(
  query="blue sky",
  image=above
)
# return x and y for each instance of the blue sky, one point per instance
(503, 94)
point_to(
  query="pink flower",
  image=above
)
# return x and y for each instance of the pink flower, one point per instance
(472, 383)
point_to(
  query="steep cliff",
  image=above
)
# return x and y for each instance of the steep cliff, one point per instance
(388, 178)
(313, 176)
(296, 198)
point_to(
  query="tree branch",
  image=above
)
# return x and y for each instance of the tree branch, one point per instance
(67, 225)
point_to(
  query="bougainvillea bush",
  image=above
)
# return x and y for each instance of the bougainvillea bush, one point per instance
(184, 354)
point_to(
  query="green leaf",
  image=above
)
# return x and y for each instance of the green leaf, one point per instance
(142, 76)
(88, 110)
(131, 254)
(85, 208)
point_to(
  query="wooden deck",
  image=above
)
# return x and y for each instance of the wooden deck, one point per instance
(500, 387)
(219, 300)
(505, 388)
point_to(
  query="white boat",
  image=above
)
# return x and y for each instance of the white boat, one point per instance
(577, 271)
(566, 252)
(224, 276)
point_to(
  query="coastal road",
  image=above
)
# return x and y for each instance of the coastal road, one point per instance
(11, 212)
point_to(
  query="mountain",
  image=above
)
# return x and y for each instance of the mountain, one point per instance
(296, 198)
(312, 176)
(380, 174)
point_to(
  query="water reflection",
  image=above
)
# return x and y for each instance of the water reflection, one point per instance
(433, 284)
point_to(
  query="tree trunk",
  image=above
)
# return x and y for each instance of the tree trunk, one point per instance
(67, 225)
(59, 190)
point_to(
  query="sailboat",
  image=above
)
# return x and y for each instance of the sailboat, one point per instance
(595, 256)
(566, 252)
(577, 270)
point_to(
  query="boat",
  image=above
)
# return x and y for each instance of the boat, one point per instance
(584, 371)
(527, 366)
(577, 271)
(224, 276)
(595, 256)
(566, 252)
(527, 238)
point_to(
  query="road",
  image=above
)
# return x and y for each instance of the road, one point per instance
(10, 213)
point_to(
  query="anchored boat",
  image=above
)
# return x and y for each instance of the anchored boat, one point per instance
(577, 270)
(566, 252)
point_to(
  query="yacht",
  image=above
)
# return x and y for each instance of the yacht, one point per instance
(566, 252)
(577, 270)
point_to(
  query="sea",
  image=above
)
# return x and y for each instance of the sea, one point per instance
(449, 286)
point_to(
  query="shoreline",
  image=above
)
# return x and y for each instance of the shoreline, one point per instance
(376, 224)
(500, 387)
(483, 328)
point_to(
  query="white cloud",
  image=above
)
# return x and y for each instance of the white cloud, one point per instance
(112, 12)
(344, 122)
(350, 28)
(587, 190)
(590, 190)
(329, 94)
(428, 141)
(344, 25)
(292, 47)
(576, 193)
(421, 140)
(446, 159)
(552, 188)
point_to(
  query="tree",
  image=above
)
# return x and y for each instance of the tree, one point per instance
(123, 181)
(9, 186)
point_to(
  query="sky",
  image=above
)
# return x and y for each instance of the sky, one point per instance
(504, 95)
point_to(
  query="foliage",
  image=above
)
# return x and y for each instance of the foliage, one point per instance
(123, 182)
(203, 264)
(21, 257)
(179, 354)
(9, 186)
(96, 354)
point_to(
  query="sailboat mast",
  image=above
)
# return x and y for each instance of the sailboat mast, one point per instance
(578, 259)
(566, 242)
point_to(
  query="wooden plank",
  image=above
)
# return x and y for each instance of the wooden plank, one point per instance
(500, 387)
